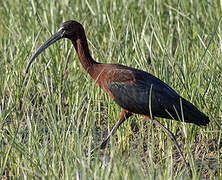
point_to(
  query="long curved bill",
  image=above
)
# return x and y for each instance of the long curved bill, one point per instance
(55, 37)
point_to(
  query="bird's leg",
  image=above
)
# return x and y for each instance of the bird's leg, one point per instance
(173, 138)
(124, 114)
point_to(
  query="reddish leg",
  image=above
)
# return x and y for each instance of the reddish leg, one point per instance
(124, 115)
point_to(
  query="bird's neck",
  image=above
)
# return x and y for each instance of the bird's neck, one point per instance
(82, 50)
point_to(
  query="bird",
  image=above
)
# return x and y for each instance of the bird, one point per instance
(134, 90)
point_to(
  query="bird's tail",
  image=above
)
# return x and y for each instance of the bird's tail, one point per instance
(193, 115)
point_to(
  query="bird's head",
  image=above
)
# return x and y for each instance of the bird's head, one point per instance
(69, 29)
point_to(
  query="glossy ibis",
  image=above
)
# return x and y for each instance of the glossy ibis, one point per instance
(135, 91)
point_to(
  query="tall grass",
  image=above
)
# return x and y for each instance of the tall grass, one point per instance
(52, 118)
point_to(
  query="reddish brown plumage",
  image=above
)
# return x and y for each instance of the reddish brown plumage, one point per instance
(134, 90)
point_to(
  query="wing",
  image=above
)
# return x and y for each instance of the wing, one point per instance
(142, 98)
(142, 93)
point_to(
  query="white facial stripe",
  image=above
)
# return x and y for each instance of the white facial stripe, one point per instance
(61, 28)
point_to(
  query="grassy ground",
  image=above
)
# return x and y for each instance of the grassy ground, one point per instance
(52, 118)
